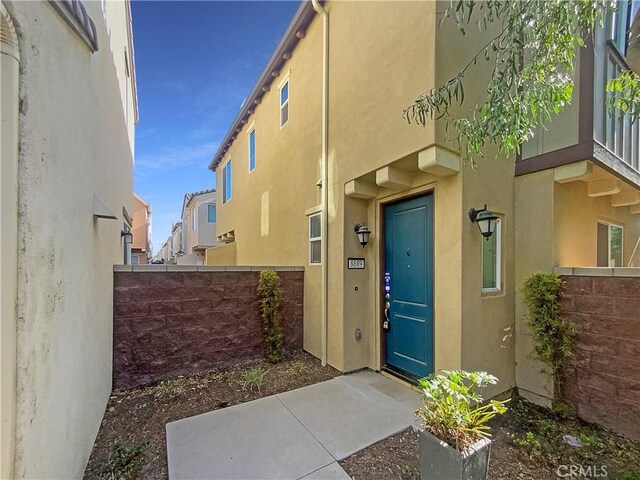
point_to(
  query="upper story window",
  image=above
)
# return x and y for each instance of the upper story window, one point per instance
(194, 219)
(492, 260)
(284, 103)
(610, 245)
(211, 213)
(252, 149)
(226, 182)
(621, 23)
(315, 239)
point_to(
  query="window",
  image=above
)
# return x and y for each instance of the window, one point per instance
(622, 24)
(609, 245)
(226, 182)
(284, 103)
(194, 219)
(211, 213)
(135, 259)
(492, 260)
(252, 149)
(315, 245)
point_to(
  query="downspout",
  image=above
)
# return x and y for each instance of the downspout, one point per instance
(325, 181)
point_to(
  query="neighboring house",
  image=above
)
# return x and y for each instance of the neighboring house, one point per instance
(164, 254)
(198, 226)
(141, 247)
(68, 113)
(296, 175)
(176, 242)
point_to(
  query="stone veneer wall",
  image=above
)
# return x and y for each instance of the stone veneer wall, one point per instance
(604, 387)
(172, 320)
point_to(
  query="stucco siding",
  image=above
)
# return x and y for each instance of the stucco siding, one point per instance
(76, 140)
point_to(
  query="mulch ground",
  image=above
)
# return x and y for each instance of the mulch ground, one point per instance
(527, 444)
(131, 442)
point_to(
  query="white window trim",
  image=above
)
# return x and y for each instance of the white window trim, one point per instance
(498, 233)
(609, 225)
(282, 83)
(250, 130)
(194, 218)
(315, 239)
(224, 181)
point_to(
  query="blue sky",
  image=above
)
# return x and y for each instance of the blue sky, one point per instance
(195, 64)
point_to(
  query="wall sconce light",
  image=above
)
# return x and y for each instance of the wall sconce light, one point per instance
(128, 236)
(363, 233)
(485, 219)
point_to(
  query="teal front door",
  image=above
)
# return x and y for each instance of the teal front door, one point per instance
(408, 280)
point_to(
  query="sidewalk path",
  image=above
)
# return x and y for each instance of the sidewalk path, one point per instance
(292, 435)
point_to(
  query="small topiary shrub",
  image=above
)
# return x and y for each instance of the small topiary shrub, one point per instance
(553, 336)
(270, 294)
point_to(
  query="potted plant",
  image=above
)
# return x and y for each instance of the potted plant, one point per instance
(454, 441)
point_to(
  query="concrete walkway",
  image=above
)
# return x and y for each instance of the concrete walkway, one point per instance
(293, 435)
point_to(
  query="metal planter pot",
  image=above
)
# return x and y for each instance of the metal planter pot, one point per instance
(439, 461)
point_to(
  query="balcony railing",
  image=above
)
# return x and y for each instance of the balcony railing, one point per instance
(613, 130)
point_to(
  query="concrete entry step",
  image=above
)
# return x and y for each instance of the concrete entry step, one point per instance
(293, 435)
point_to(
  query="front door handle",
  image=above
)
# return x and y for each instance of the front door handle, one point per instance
(385, 324)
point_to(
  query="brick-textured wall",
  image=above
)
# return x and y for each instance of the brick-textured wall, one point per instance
(167, 323)
(604, 386)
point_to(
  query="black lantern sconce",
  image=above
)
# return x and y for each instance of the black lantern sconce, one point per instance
(485, 219)
(128, 236)
(363, 233)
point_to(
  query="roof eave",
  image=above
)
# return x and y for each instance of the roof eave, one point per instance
(301, 20)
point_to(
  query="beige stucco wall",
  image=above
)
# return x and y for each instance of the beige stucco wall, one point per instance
(141, 228)
(267, 208)
(482, 317)
(75, 141)
(369, 88)
(577, 217)
(535, 252)
(222, 255)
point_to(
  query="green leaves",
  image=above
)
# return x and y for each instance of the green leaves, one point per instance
(270, 295)
(452, 406)
(624, 94)
(553, 336)
(533, 53)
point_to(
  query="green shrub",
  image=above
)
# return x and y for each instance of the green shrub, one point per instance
(270, 295)
(452, 407)
(553, 336)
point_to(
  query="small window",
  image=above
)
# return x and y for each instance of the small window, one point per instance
(315, 244)
(252, 150)
(194, 219)
(211, 213)
(284, 103)
(135, 259)
(126, 63)
(226, 182)
(492, 260)
(610, 245)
